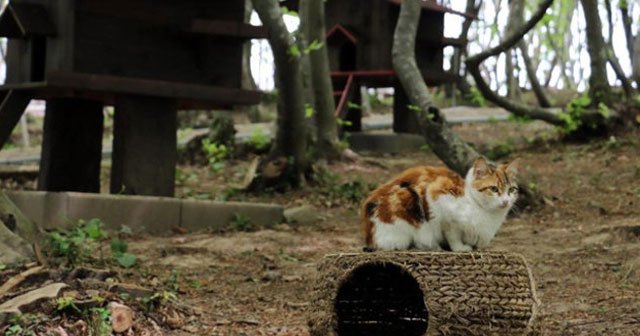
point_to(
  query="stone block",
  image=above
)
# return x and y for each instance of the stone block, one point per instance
(141, 213)
(385, 143)
(200, 215)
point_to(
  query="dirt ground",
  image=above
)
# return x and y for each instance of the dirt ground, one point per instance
(583, 246)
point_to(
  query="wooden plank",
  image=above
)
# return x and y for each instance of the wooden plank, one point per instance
(71, 146)
(14, 102)
(227, 28)
(153, 88)
(20, 20)
(144, 146)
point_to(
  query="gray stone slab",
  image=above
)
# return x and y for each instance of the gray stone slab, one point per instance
(141, 213)
(200, 215)
(47, 209)
(385, 143)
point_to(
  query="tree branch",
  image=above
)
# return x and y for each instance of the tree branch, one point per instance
(473, 66)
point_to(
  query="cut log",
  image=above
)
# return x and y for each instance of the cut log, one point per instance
(121, 317)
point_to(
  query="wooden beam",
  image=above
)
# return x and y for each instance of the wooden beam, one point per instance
(227, 28)
(20, 20)
(14, 102)
(71, 146)
(152, 88)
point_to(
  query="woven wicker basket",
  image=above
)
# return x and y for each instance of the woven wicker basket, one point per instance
(421, 293)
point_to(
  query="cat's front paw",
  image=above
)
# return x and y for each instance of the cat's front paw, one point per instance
(462, 248)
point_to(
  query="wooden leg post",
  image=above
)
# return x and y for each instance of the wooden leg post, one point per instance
(71, 146)
(404, 119)
(354, 113)
(144, 146)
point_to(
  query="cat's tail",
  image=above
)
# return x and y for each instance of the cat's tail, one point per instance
(367, 225)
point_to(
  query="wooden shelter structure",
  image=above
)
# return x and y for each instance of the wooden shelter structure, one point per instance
(359, 42)
(147, 58)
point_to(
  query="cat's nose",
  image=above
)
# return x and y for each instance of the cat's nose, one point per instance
(504, 203)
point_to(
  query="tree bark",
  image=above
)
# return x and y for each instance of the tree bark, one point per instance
(445, 143)
(327, 141)
(599, 89)
(290, 144)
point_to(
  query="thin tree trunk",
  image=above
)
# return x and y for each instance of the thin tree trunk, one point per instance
(456, 59)
(627, 23)
(599, 89)
(445, 143)
(473, 64)
(290, 143)
(533, 78)
(516, 15)
(327, 141)
(553, 65)
(611, 56)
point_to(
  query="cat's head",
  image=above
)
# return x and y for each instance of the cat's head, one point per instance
(494, 187)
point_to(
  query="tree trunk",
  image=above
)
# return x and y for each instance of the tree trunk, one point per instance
(636, 60)
(456, 59)
(533, 78)
(627, 24)
(611, 56)
(445, 143)
(516, 15)
(599, 89)
(288, 154)
(17, 233)
(327, 142)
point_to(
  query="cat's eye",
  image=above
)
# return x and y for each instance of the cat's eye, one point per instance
(494, 189)
(513, 190)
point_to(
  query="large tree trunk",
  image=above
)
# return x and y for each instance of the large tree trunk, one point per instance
(327, 142)
(445, 143)
(599, 89)
(287, 162)
(17, 233)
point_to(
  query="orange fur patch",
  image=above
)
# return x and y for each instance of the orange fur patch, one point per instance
(404, 196)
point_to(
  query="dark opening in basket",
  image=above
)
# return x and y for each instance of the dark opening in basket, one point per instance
(380, 299)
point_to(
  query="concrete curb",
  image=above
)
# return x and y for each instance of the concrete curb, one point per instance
(155, 215)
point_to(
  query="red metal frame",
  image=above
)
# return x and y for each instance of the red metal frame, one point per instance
(343, 99)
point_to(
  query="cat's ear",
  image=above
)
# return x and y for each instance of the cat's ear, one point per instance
(512, 168)
(480, 167)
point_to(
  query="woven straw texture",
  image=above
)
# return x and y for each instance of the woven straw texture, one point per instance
(463, 293)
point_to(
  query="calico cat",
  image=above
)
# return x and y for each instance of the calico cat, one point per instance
(434, 208)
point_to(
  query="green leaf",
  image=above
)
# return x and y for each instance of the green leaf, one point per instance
(94, 229)
(308, 110)
(126, 260)
(294, 50)
(118, 246)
